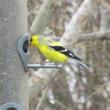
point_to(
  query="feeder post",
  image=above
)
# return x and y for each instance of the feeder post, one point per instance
(13, 79)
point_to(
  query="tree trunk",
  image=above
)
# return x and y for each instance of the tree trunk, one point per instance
(13, 80)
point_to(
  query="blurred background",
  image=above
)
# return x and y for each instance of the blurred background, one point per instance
(74, 88)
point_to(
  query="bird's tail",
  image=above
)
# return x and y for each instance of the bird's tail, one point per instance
(78, 62)
(77, 58)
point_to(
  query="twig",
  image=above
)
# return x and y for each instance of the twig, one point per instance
(78, 22)
(42, 18)
(42, 98)
(94, 36)
(100, 88)
(61, 104)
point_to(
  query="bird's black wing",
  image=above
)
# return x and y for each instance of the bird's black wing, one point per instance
(65, 51)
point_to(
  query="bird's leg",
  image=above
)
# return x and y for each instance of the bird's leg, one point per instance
(47, 61)
(42, 60)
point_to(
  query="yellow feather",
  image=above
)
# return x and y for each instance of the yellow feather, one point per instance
(48, 52)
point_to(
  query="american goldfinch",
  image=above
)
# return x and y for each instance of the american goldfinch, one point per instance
(54, 52)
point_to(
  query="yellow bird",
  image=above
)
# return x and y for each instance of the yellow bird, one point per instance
(56, 52)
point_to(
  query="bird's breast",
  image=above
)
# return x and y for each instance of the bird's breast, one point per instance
(53, 55)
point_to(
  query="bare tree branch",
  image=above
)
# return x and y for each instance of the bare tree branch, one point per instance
(94, 36)
(41, 20)
(96, 91)
(42, 98)
(104, 13)
(103, 33)
(77, 22)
